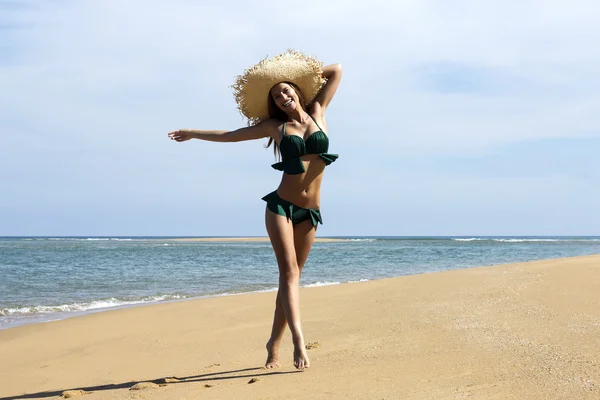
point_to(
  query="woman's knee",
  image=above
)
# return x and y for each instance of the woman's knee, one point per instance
(289, 272)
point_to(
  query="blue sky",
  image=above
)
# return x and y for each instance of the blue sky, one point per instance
(453, 117)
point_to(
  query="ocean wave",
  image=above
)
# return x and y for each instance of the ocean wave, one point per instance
(81, 307)
(526, 240)
(359, 281)
(318, 284)
(86, 239)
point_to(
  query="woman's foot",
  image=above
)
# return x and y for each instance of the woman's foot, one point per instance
(272, 355)
(301, 360)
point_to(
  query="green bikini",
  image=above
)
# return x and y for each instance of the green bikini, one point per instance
(293, 147)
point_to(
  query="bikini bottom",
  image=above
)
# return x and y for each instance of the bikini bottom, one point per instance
(291, 211)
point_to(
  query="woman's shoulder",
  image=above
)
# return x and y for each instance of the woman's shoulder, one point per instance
(270, 123)
(316, 111)
(317, 114)
(272, 126)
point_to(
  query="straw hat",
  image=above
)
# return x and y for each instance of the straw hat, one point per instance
(251, 90)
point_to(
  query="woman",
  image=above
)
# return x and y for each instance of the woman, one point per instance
(272, 96)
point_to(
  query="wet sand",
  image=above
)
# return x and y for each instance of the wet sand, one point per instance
(519, 331)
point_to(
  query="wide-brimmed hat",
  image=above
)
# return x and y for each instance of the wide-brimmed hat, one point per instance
(252, 88)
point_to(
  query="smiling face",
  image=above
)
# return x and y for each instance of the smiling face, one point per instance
(285, 97)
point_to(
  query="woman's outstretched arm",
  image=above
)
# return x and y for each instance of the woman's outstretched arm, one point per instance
(262, 130)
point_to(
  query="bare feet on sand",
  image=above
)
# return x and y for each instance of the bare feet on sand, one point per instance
(301, 357)
(272, 356)
(301, 360)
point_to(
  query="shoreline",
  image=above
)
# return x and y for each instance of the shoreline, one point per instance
(43, 318)
(64, 315)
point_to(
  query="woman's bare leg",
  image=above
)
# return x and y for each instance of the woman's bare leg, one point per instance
(291, 245)
(279, 324)
(304, 234)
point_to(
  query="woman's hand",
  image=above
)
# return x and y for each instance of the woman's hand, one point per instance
(181, 135)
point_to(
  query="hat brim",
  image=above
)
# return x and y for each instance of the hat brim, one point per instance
(251, 89)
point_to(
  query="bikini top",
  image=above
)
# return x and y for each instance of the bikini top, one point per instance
(293, 147)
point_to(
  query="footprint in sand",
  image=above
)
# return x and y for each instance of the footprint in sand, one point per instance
(168, 380)
(67, 394)
(313, 345)
(145, 385)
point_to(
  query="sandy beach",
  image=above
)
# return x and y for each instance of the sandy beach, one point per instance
(518, 331)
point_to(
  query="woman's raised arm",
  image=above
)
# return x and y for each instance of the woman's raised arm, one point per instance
(333, 74)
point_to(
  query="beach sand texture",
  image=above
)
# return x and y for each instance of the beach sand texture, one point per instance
(518, 331)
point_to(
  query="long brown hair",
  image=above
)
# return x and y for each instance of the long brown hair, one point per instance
(278, 114)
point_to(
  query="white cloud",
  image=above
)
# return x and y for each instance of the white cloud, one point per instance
(90, 89)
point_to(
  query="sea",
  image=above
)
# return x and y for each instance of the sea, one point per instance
(50, 278)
